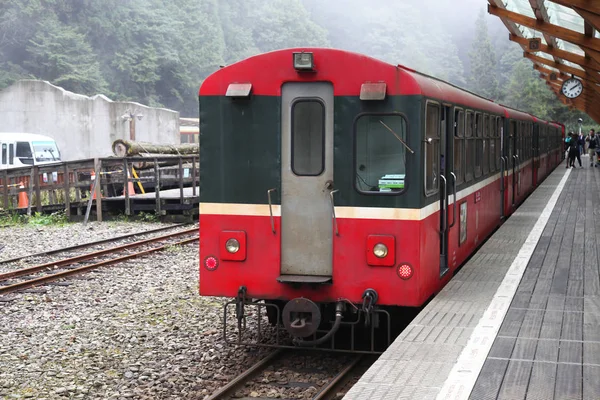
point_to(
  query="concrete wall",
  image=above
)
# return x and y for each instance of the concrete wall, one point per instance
(83, 127)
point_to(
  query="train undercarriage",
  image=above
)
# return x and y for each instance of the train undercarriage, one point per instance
(340, 326)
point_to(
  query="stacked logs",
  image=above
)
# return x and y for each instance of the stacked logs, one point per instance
(127, 148)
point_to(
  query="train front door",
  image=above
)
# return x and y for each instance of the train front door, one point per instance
(307, 190)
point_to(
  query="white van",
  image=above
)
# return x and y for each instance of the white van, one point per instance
(24, 149)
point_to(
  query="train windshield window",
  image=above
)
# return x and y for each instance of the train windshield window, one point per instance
(308, 137)
(381, 146)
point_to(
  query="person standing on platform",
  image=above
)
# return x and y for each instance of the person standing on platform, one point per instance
(581, 141)
(568, 139)
(592, 141)
(573, 151)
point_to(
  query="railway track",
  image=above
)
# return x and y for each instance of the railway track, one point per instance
(42, 274)
(291, 373)
(91, 244)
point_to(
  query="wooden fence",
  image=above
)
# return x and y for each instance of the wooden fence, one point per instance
(73, 186)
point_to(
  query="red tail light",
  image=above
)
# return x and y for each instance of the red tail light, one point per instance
(211, 263)
(405, 271)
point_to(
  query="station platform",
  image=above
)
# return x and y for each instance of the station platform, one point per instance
(520, 320)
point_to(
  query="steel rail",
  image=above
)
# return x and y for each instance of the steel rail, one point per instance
(244, 377)
(64, 274)
(71, 260)
(327, 391)
(90, 244)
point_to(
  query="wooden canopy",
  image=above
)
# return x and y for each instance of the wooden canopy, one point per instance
(568, 43)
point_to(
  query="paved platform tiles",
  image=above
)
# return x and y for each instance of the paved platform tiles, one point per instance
(521, 320)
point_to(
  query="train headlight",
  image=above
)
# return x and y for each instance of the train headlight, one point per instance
(304, 61)
(380, 250)
(232, 246)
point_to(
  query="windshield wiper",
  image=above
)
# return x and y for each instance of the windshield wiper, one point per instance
(397, 137)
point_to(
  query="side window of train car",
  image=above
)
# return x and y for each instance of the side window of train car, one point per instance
(459, 145)
(478, 144)
(498, 144)
(3, 153)
(432, 148)
(469, 147)
(486, 146)
(492, 143)
(511, 143)
(24, 153)
(11, 154)
(381, 146)
(308, 137)
(518, 149)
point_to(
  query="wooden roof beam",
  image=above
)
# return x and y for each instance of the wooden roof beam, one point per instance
(511, 26)
(563, 68)
(565, 55)
(583, 102)
(592, 96)
(590, 18)
(590, 44)
(560, 76)
(592, 6)
(541, 14)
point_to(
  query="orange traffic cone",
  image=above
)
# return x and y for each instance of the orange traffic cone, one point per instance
(130, 187)
(93, 192)
(23, 200)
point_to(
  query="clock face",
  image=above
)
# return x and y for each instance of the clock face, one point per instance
(572, 88)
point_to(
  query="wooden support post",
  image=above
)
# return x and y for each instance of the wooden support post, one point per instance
(193, 176)
(77, 190)
(94, 190)
(38, 189)
(5, 193)
(180, 180)
(67, 189)
(97, 191)
(30, 190)
(126, 186)
(157, 187)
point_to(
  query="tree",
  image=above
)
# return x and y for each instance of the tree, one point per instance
(482, 79)
(62, 56)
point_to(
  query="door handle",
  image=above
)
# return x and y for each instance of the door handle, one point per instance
(444, 207)
(337, 233)
(454, 203)
(271, 208)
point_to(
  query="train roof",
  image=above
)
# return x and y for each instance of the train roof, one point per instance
(346, 70)
(25, 137)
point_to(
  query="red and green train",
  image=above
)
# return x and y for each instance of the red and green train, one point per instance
(336, 187)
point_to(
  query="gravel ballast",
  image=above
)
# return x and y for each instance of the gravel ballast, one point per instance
(135, 330)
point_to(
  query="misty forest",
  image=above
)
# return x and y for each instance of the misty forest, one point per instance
(157, 52)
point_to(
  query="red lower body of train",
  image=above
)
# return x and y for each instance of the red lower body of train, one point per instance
(333, 196)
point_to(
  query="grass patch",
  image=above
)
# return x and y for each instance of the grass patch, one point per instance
(58, 218)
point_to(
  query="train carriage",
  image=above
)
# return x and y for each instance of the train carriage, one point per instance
(331, 180)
